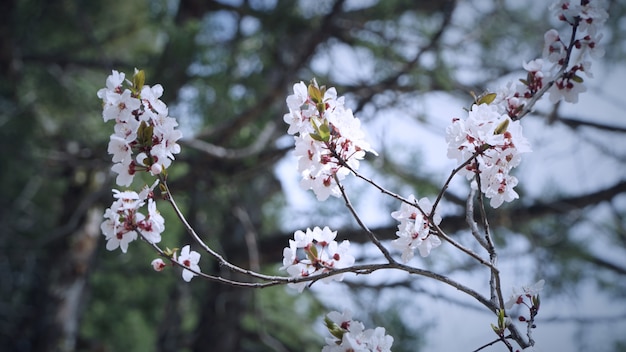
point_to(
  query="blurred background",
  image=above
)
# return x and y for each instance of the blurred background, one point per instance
(406, 68)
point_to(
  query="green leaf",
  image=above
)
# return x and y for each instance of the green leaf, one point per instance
(315, 93)
(317, 137)
(577, 79)
(333, 328)
(322, 133)
(139, 78)
(145, 138)
(536, 301)
(487, 99)
(501, 127)
(321, 107)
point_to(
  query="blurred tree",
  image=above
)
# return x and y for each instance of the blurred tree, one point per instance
(226, 67)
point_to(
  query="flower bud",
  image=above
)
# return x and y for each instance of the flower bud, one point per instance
(158, 264)
(156, 169)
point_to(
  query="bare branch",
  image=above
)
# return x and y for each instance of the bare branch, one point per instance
(217, 151)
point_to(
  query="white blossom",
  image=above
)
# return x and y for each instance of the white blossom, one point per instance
(524, 291)
(414, 229)
(314, 252)
(322, 158)
(138, 115)
(354, 336)
(492, 143)
(188, 259)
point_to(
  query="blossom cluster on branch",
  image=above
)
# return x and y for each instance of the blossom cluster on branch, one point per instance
(145, 136)
(351, 335)
(314, 252)
(123, 220)
(490, 144)
(558, 70)
(490, 139)
(329, 146)
(328, 138)
(144, 139)
(414, 230)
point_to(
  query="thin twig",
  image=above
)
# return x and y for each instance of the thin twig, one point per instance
(356, 216)
(415, 204)
(208, 249)
(452, 173)
(487, 345)
(462, 248)
(469, 218)
(494, 281)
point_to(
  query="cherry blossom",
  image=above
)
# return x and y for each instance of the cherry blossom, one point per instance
(144, 138)
(314, 252)
(124, 222)
(492, 144)
(589, 15)
(152, 225)
(518, 294)
(328, 138)
(414, 228)
(350, 335)
(188, 259)
(554, 49)
(567, 89)
(119, 226)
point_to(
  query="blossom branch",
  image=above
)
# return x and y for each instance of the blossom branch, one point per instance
(535, 98)
(329, 145)
(438, 230)
(223, 262)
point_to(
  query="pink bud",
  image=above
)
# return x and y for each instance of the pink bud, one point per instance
(158, 264)
(156, 169)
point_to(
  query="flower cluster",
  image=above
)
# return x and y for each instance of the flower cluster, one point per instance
(123, 221)
(490, 144)
(314, 252)
(327, 138)
(518, 296)
(586, 17)
(350, 335)
(414, 228)
(144, 139)
(529, 297)
(145, 136)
